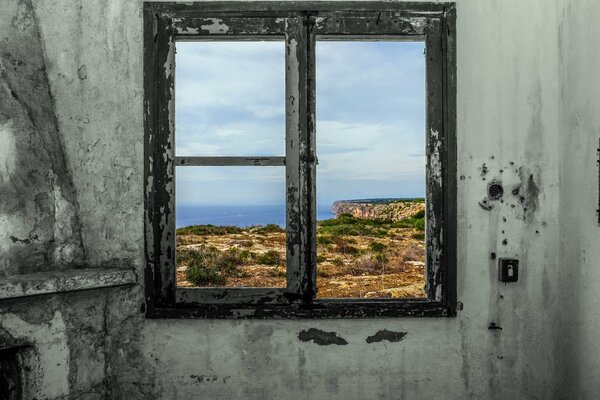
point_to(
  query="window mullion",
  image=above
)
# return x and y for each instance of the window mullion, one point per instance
(310, 161)
(298, 171)
(435, 132)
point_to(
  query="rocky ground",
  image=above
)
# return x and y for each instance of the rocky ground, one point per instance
(356, 257)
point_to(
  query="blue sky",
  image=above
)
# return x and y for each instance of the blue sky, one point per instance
(230, 100)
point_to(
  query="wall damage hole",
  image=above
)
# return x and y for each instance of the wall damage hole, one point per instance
(495, 190)
(485, 204)
(11, 374)
(320, 337)
(384, 334)
(484, 169)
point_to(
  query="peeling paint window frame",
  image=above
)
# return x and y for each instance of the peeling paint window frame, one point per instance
(301, 24)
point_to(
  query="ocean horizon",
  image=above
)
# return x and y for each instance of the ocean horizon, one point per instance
(241, 216)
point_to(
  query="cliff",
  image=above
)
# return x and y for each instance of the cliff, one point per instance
(394, 210)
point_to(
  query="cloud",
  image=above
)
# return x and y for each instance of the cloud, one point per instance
(230, 100)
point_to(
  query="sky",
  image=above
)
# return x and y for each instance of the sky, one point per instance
(230, 101)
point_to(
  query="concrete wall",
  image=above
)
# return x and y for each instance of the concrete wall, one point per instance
(579, 330)
(525, 116)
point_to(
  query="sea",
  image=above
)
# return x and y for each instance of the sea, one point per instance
(240, 216)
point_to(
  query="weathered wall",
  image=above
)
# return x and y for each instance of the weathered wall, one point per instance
(578, 343)
(38, 206)
(523, 89)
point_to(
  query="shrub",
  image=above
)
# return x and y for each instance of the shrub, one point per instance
(228, 261)
(354, 230)
(381, 258)
(208, 230)
(324, 240)
(347, 225)
(271, 257)
(414, 253)
(203, 275)
(209, 266)
(377, 247)
(342, 246)
(246, 255)
(269, 228)
(338, 262)
(276, 272)
(366, 265)
(416, 221)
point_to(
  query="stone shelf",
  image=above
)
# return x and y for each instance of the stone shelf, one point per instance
(64, 281)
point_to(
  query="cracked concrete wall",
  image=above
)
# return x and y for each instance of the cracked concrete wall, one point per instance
(80, 345)
(38, 206)
(512, 60)
(579, 341)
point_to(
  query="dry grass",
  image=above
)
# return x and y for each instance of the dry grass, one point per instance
(374, 260)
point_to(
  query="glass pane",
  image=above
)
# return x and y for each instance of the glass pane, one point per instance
(371, 172)
(230, 226)
(230, 98)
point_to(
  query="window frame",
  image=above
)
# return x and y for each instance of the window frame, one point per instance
(301, 23)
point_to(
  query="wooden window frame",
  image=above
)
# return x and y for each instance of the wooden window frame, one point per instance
(300, 24)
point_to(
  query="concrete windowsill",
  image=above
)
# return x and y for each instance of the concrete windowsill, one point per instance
(64, 281)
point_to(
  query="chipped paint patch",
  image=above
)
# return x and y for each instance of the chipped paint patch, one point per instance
(435, 161)
(216, 25)
(321, 338)
(169, 63)
(384, 334)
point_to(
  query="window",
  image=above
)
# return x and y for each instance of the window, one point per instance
(281, 73)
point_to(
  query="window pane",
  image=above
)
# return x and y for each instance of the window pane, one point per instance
(371, 172)
(230, 98)
(230, 226)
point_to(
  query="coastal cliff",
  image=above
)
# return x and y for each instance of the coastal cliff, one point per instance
(394, 210)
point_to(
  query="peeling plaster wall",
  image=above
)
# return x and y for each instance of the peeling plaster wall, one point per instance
(579, 334)
(38, 206)
(522, 92)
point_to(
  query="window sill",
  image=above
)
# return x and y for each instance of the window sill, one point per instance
(329, 309)
(64, 281)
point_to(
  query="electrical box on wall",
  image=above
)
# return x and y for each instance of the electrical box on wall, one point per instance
(508, 270)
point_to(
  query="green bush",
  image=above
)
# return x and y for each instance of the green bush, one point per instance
(269, 228)
(324, 240)
(271, 257)
(353, 230)
(381, 258)
(416, 221)
(208, 230)
(342, 246)
(377, 247)
(210, 266)
(338, 262)
(204, 275)
(276, 273)
(321, 258)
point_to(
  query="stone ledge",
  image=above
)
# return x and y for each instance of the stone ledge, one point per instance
(64, 281)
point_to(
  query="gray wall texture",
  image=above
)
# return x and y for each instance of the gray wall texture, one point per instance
(71, 195)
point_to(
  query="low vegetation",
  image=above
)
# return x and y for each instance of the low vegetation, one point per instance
(356, 257)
